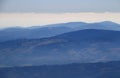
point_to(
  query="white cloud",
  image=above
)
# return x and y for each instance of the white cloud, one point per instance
(39, 19)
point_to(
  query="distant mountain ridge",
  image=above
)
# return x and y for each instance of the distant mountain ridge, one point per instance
(83, 46)
(53, 30)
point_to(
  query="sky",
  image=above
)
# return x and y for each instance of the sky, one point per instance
(40, 19)
(60, 6)
(28, 13)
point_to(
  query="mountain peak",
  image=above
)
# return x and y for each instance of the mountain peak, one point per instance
(109, 22)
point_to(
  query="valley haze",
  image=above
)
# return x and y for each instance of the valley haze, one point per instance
(59, 38)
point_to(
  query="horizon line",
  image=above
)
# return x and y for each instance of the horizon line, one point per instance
(35, 19)
(59, 23)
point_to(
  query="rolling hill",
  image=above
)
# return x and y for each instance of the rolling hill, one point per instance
(83, 46)
(52, 30)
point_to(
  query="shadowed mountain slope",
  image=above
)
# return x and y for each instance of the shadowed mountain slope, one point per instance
(75, 47)
(85, 70)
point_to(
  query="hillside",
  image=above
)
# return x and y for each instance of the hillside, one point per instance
(83, 46)
(52, 30)
(75, 70)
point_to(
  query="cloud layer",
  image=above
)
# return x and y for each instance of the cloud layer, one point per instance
(39, 19)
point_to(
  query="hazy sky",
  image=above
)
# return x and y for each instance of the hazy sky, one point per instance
(27, 13)
(59, 6)
(38, 19)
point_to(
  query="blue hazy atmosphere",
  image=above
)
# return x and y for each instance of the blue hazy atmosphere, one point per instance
(59, 39)
(58, 6)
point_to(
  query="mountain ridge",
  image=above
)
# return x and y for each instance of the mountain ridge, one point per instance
(83, 46)
(53, 30)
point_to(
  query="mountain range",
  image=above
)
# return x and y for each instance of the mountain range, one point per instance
(52, 30)
(67, 50)
(82, 46)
